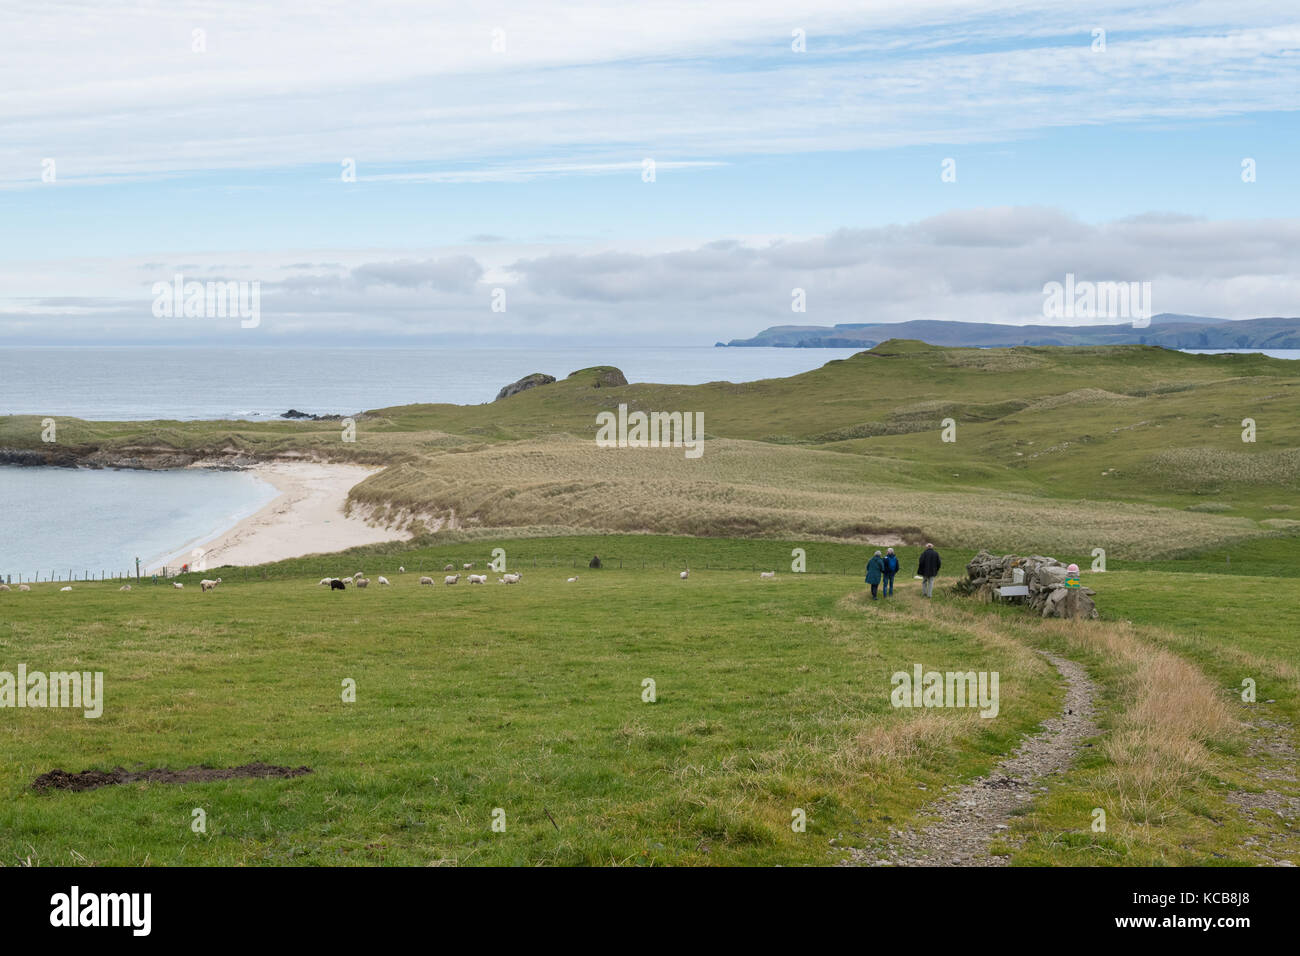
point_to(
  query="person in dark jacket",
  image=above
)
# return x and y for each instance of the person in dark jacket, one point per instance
(928, 569)
(890, 569)
(875, 571)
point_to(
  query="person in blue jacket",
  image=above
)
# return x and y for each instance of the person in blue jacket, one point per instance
(888, 571)
(875, 570)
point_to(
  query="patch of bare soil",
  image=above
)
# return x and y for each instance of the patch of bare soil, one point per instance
(93, 779)
(970, 818)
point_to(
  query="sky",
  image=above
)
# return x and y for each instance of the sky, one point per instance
(654, 173)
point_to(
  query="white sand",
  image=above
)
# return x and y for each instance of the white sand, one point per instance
(305, 518)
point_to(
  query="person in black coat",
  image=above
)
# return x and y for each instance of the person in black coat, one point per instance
(928, 569)
(875, 571)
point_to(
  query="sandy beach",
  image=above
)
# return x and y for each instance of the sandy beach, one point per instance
(306, 517)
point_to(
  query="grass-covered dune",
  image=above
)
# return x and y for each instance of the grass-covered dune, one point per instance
(1133, 449)
(530, 701)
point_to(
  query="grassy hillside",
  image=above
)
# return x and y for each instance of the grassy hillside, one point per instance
(1133, 449)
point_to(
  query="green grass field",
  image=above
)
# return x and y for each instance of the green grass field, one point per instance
(771, 696)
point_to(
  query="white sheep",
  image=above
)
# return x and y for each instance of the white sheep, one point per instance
(399, 571)
(451, 579)
(426, 580)
(24, 587)
(4, 587)
(767, 574)
(449, 567)
(572, 579)
(684, 575)
(208, 585)
(478, 579)
(177, 585)
(325, 582)
(125, 587)
(384, 580)
(509, 579)
(361, 582)
(358, 576)
(65, 589)
(466, 567)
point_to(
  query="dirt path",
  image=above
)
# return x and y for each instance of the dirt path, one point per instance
(970, 818)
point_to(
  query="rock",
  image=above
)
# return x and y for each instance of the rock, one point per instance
(602, 376)
(307, 417)
(1044, 576)
(524, 384)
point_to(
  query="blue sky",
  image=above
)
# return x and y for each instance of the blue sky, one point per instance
(520, 168)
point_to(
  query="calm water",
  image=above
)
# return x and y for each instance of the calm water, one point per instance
(124, 384)
(82, 520)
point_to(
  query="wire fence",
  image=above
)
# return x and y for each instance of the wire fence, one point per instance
(391, 565)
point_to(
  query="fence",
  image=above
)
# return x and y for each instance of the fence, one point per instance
(301, 569)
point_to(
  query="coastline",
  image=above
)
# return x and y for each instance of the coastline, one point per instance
(305, 517)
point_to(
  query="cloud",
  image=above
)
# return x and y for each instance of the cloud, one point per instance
(964, 265)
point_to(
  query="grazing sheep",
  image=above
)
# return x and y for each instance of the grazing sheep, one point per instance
(451, 579)
(449, 567)
(478, 579)
(125, 587)
(767, 574)
(509, 579)
(207, 585)
(426, 580)
(23, 587)
(362, 582)
(684, 575)
(324, 582)
(358, 576)
(4, 587)
(384, 580)
(176, 584)
(466, 567)
(399, 571)
(572, 579)
(338, 585)
(69, 589)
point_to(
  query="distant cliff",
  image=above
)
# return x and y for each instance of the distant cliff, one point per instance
(1166, 330)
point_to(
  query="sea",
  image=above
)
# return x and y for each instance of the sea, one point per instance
(57, 523)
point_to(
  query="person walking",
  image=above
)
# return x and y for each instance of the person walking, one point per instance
(890, 569)
(875, 570)
(928, 569)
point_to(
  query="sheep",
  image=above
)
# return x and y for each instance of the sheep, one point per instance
(338, 585)
(4, 587)
(384, 580)
(572, 579)
(325, 582)
(399, 571)
(509, 579)
(176, 584)
(426, 580)
(125, 587)
(451, 579)
(362, 582)
(358, 576)
(207, 585)
(68, 589)
(449, 567)
(466, 567)
(684, 575)
(478, 579)
(767, 574)
(24, 587)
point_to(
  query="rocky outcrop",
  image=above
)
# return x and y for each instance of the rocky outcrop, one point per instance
(1044, 577)
(307, 417)
(602, 376)
(524, 384)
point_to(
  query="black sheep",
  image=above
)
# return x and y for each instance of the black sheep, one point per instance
(337, 585)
